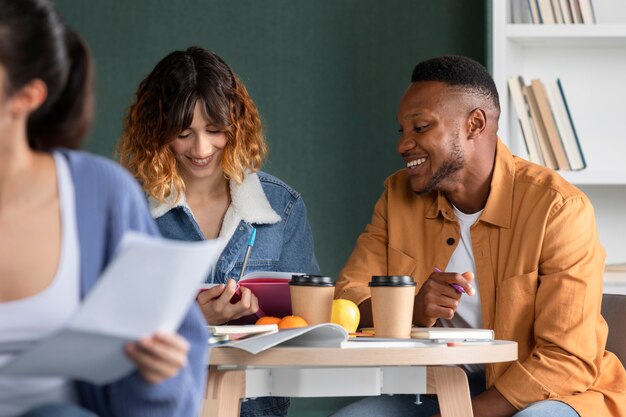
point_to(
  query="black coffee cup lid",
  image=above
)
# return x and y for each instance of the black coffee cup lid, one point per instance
(392, 281)
(312, 280)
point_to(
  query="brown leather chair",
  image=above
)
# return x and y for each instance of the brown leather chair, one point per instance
(614, 312)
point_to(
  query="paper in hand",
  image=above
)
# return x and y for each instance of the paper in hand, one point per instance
(149, 286)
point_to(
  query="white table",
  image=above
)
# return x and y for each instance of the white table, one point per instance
(317, 372)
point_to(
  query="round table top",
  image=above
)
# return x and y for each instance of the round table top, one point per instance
(437, 354)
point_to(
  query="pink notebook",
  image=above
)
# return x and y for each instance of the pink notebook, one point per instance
(272, 291)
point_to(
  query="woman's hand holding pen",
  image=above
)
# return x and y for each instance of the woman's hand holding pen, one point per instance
(437, 298)
(217, 308)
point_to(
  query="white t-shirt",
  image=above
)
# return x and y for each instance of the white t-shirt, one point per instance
(25, 322)
(468, 313)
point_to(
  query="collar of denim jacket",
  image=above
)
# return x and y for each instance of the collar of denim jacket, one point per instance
(248, 203)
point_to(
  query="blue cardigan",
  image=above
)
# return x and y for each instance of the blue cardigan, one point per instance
(108, 203)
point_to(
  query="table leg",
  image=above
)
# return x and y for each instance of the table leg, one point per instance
(224, 391)
(452, 391)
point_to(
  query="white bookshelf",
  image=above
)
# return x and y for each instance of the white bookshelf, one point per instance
(590, 60)
(615, 283)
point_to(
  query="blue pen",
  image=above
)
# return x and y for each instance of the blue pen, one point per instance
(248, 250)
(457, 287)
(259, 312)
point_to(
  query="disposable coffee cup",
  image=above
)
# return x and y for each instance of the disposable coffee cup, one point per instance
(312, 297)
(392, 305)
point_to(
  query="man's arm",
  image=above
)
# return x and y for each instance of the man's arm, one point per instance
(565, 355)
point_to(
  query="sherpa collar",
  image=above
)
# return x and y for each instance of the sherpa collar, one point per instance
(248, 203)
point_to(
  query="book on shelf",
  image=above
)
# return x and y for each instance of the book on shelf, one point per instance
(565, 125)
(566, 11)
(574, 7)
(558, 13)
(549, 123)
(586, 11)
(271, 290)
(534, 11)
(546, 123)
(542, 135)
(621, 267)
(546, 13)
(552, 11)
(516, 89)
(520, 12)
(448, 334)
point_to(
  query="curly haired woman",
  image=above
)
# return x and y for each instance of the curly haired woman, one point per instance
(194, 140)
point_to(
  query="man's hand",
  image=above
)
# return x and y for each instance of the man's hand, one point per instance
(159, 357)
(217, 308)
(438, 299)
(492, 404)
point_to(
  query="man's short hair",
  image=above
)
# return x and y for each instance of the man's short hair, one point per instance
(458, 71)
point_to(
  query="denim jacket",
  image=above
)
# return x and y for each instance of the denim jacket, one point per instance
(284, 241)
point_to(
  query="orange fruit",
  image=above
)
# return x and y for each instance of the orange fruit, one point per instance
(268, 320)
(289, 322)
(346, 314)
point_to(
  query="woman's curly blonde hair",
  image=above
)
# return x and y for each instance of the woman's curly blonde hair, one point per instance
(164, 107)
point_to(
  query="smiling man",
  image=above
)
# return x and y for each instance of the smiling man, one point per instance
(519, 239)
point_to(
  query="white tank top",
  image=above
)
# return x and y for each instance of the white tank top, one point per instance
(25, 322)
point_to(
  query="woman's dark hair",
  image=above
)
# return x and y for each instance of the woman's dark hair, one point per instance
(164, 107)
(35, 43)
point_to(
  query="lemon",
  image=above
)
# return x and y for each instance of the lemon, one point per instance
(346, 314)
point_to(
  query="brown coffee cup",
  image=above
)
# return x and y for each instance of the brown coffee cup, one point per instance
(312, 297)
(393, 297)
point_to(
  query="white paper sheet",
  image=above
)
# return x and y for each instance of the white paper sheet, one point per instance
(319, 335)
(149, 286)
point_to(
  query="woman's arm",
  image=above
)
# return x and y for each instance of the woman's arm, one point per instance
(298, 252)
(110, 203)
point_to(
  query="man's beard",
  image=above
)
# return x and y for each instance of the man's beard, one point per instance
(454, 163)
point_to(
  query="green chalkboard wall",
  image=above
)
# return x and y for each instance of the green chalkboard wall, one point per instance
(326, 75)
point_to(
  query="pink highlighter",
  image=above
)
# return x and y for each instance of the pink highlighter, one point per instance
(457, 287)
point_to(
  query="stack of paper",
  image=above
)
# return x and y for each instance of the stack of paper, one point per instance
(235, 332)
(451, 334)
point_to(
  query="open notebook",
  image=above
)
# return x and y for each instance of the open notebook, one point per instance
(270, 288)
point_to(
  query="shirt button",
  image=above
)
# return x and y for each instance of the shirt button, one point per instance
(240, 228)
(450, 241)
